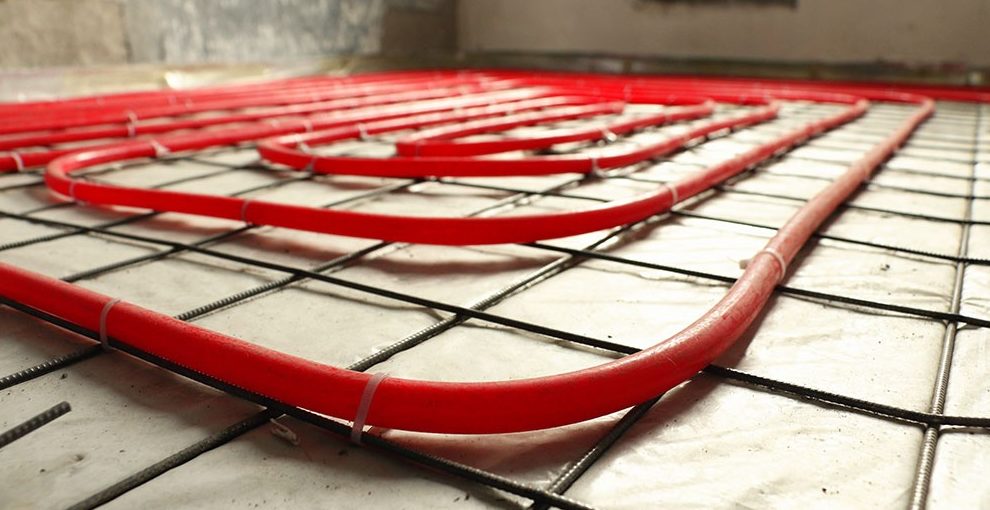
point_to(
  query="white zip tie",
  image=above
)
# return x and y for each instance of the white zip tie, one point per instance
(72, 190)
(281, 431)
(160, 150)
(18, 161)
(365, 406)
(595, 170)
(308, 125)
(673, 192)
(244, 210)
(131, 116)
(310, 167)
(780, 260)
(104, 339)
(744, 263)
(362, 132)
(131, 130)
(608, 135)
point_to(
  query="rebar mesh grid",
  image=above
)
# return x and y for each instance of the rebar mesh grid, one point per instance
(478, 313)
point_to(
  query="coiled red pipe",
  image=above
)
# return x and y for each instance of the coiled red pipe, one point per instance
(23, 133)
(506, 406)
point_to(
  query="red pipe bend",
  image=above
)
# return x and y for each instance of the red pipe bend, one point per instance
(418, 229)
(496, 407)
(138, 128)
(314, 111)
(285, 150)
(444, 141)
(507, 406)
(62, 120)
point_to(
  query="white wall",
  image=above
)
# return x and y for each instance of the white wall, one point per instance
(830, 31)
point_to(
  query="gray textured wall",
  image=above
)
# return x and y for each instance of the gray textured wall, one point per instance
(61, 32)
(37, 33)
(239, 30)
(832, 31)
(85, 32)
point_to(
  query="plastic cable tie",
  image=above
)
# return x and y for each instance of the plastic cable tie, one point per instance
(310, 167)
(743, 264)
(72, 190)
(364, 407)
(362, 132)
(281, 431)
(131, 130)
(595, 170)
(18, 161)
(780, 260)
(131, 116)
(104, 339)
(244, 210)
(160, 150)
(608, 136)
(673, 193)
(308, 125)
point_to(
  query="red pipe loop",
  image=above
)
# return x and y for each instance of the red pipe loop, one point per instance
(489, 407)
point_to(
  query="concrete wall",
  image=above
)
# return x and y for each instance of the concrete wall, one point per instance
(833, 31)
(86, 32)
(61, 32)
(39, 33)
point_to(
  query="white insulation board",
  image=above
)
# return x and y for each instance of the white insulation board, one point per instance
(709, 443)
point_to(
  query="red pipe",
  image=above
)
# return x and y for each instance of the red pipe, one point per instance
(419, 229)
(56, 119)
(444, 141)
(130, 130)
(284, 149)
(327, 114)
(490, 407)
